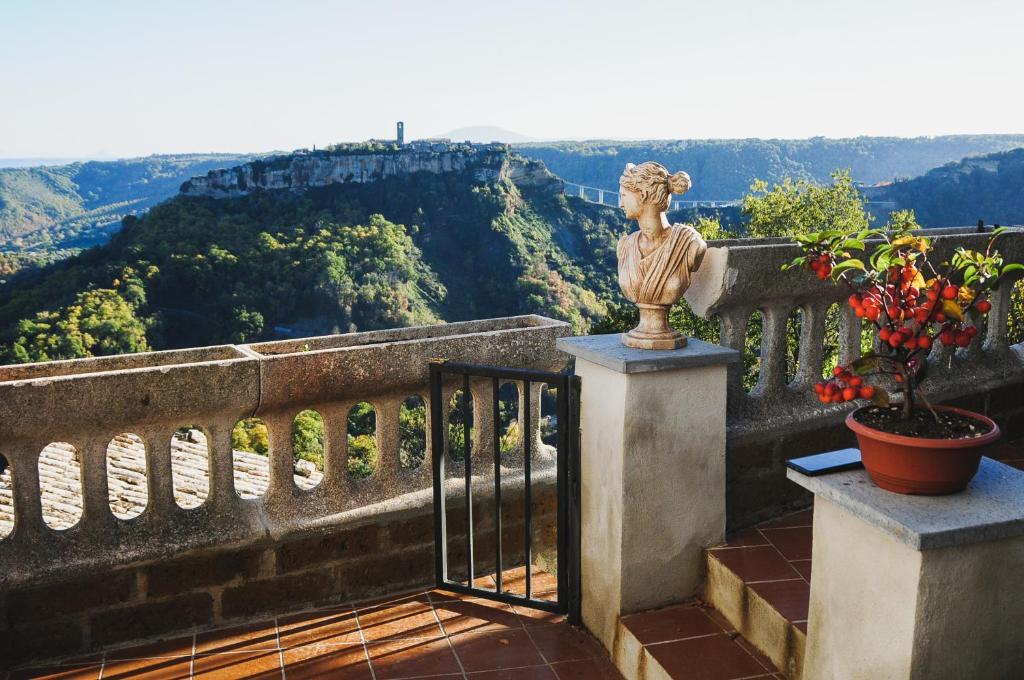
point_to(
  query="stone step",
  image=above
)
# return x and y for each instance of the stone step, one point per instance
(689, 640)
(760, 583)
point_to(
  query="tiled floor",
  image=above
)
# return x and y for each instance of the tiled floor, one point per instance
(424, 635)
(774, 558)
(694, 642)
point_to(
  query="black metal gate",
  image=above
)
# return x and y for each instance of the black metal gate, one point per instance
(567, 388)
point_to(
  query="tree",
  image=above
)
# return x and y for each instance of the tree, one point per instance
(100, 322)
(802, 207)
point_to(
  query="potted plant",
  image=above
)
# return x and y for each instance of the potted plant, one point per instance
(909, 446)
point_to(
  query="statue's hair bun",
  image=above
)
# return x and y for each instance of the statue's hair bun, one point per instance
(679, 183)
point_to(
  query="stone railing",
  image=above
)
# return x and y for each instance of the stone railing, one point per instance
(779, 417)
(88, 404)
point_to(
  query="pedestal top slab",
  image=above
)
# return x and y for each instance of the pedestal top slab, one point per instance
(991, 508)
(608, 351)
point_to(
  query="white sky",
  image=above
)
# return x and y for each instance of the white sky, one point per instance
(97, 77)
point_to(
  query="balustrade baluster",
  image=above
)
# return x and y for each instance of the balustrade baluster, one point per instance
(732, 325)
(850, 330)
(812, 344)
(158, 469)
(92, 457)
(773, 352)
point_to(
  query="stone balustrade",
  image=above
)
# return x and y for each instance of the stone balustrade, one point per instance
(780, 417)
(80, 407)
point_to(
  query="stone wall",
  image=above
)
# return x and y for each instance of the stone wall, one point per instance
(386, 552)
(781, 418)
(301, 171)
(106, 579)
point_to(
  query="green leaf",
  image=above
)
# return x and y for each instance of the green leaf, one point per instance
(1010, 268)
(854, 244)
(849, 264)
(865, 364)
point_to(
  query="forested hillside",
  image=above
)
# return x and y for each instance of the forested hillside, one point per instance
(78, 205)
(724, 169)
(411, 249)
(989, 188)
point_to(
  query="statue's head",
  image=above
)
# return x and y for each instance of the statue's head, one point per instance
(649, 184)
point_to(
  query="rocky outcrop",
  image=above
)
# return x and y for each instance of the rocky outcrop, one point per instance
(362, 164)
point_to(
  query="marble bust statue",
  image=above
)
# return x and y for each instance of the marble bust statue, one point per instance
(655, 262)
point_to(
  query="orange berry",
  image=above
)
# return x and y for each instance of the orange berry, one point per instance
(950, 292)
(983, 306)
(924, 342)
(867, 392)
(849, 394)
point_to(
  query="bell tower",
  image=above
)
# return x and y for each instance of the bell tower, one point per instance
(401, 133)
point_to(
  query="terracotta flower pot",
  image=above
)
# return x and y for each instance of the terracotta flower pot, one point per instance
(916, 465)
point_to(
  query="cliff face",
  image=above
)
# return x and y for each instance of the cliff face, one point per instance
(355, 165)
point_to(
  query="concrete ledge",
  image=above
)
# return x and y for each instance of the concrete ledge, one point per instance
(991, 508)
(608, 351)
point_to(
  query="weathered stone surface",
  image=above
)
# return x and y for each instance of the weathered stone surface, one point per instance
(299, 171)
(990, 509)
(281, 593)
(202, 571)
(50, 639)
(114, 625)
(46, 602)
(310, 552)
(608, 351)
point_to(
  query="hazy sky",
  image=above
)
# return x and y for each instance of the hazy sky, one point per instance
(92, 77)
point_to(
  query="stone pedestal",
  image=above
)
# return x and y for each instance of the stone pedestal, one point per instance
(653, 472)
(916, 586)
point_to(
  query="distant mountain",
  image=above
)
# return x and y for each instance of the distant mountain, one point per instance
(482, 134)
(39, 162)
(397, 237)
(989, 188)
(80, 204)
(723, 169)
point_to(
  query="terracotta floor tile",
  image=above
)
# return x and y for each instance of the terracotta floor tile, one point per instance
(745, 538)
(413, 619)
(589, 669)
(793, 543)
(753, 651)
(177, 647)
(346, 662)
(333, 627)
(789, 598)
(671, 623)
(254, 637)
(493, 651)
(802, 518)
(462, 616)
(715, 657)
(255, 665)
(529, 616)
(761, 563)
(529, 673)
(542, 584)
(717, 617)
(164, 668)
(804, 567)
(411, 657)
(564, 643)
(91, 672)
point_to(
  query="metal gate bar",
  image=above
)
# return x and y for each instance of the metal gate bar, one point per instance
(567, 483)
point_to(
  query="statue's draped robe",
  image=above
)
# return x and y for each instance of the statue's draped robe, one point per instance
(663, 275)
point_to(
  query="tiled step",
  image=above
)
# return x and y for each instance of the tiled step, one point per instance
(760, 582)
(686, 641)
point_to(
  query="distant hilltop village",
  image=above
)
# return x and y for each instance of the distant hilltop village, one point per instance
(362, 162)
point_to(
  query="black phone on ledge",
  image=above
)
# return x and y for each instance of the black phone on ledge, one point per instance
(823, 463)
